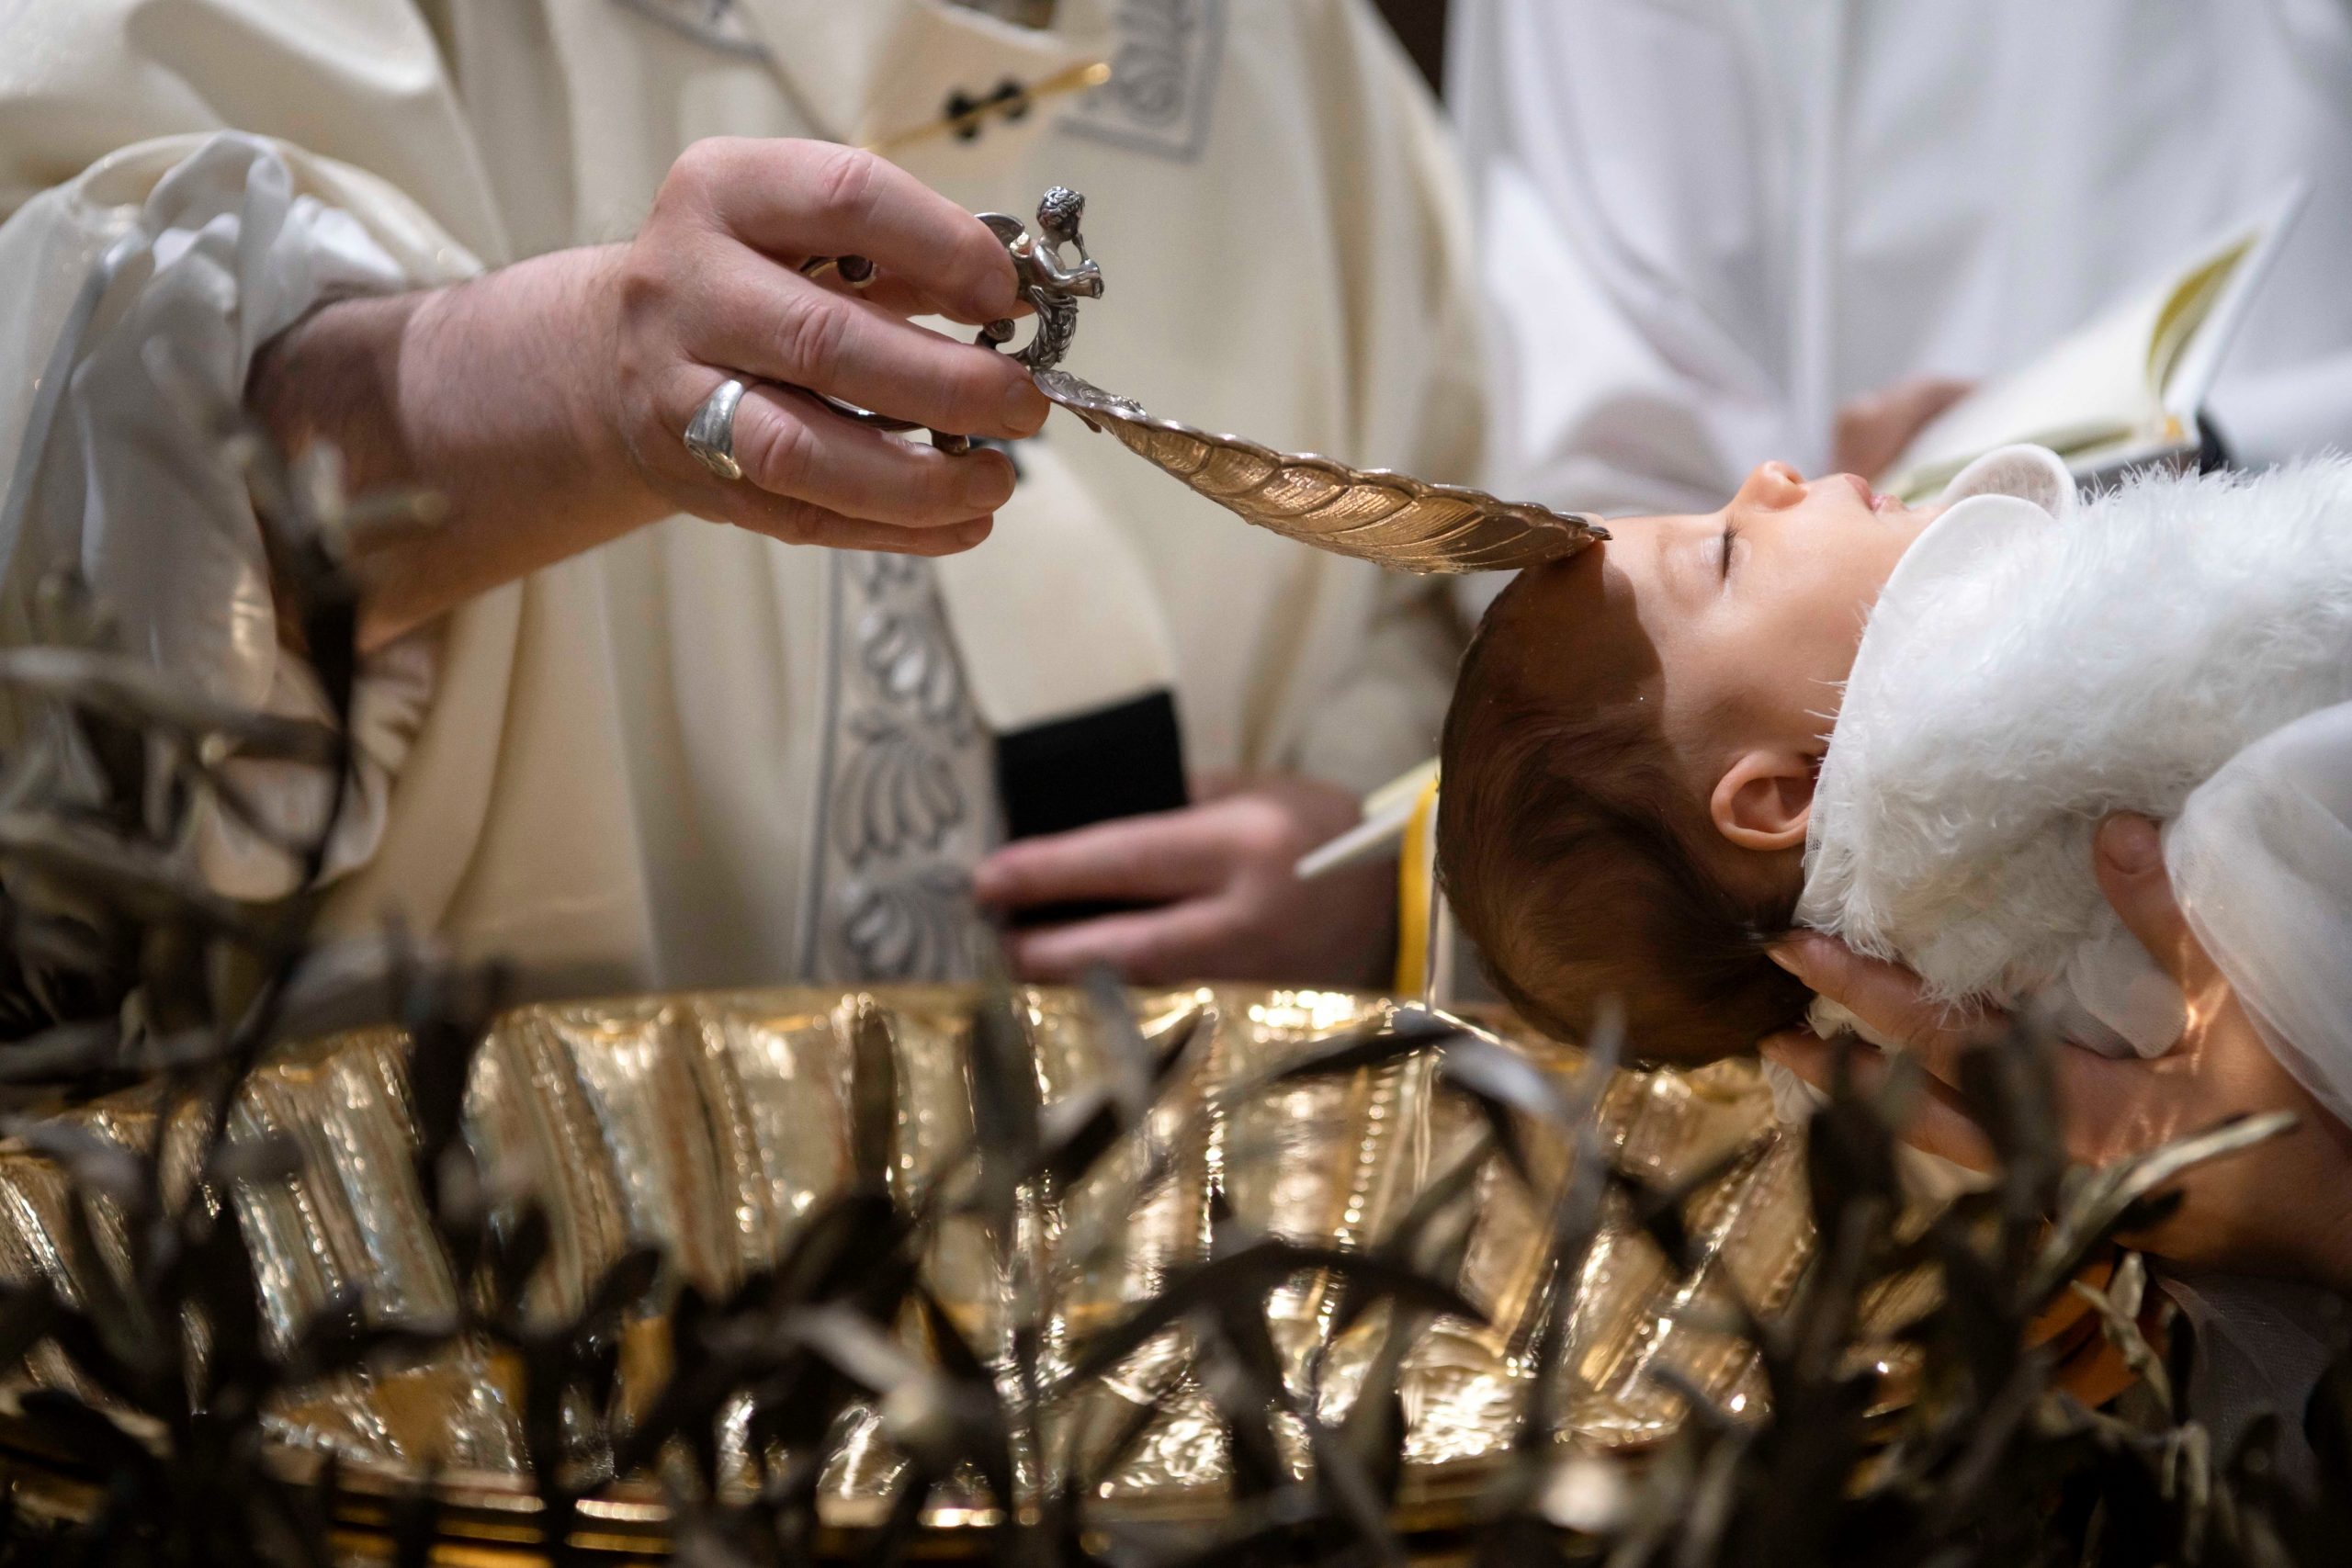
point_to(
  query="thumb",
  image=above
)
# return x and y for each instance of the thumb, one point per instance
(2130, 863)
(1887, 997)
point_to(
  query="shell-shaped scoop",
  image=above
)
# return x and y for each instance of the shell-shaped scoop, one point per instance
(1394, 520)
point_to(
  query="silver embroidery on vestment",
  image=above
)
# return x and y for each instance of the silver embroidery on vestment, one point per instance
(1163, 79)
(910, 785)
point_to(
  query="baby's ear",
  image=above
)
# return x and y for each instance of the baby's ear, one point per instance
(1764, 800)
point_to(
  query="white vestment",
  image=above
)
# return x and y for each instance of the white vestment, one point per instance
(618, 774)
(1706, 224)
(2180, 647)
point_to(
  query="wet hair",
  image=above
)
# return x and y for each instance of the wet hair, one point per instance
(1571, 853)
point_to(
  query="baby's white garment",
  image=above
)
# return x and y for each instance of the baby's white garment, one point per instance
(2036, 661)
(2183, 647)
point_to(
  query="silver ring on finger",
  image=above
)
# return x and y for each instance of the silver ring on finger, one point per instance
(710, 434)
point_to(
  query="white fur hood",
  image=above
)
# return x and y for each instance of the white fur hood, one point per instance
(2035, 663)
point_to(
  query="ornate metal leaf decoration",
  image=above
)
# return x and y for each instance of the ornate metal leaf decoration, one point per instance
(1392, 519)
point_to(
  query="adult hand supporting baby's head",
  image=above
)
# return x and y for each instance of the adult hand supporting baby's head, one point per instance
(1892, 1000)
(1888, 997)
(2283, 1207)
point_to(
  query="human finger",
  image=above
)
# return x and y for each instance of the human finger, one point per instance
(1911, 403)
(892, 293)
(1936, 1124)
(796, 199)
(794, 522)
(902, 297)
(1218, 784)
(768, 321)
(1890, 999)
(1148, 859)
(1179, 941)
(789, 444)
(1871, 430)
(2130, 857)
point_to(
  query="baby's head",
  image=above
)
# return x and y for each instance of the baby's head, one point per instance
(1630, 758)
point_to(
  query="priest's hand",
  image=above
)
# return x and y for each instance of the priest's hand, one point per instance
(2282, 1207)
(711, 287)
(546, 401)
(1219, 899)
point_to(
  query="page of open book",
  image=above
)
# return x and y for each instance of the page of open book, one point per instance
(2125, 387)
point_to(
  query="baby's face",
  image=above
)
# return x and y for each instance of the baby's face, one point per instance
(1755, 611)
(1743, 622)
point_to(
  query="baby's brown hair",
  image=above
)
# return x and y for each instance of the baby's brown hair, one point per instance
(1572, 854)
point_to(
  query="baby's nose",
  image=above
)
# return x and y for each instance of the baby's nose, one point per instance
(1773, 484)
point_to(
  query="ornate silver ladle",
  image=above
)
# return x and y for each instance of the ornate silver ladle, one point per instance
(1375, 515)
(1052, 288)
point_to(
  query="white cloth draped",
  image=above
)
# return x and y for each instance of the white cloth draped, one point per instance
(2261, 860)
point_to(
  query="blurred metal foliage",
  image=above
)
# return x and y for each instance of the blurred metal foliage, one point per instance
(123, 966)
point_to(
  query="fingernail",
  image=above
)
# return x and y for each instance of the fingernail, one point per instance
(998, 293)
(1781, 956)
(2129, 843)
(988, 483)
(1025, 406)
